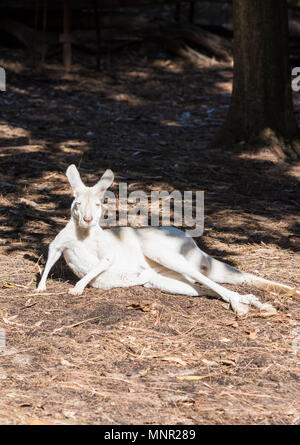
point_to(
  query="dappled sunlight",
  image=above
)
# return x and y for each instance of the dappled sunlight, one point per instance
(13, 65)
(17, 90)
(130, 99)
(73, 146)
(151, 125)
(225, 86)
(117, 355)
(169, 123)
(138, 74)
(169, 66)
(11, 132)
(294, 171)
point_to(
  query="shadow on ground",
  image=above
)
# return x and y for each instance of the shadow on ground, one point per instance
(150, 122)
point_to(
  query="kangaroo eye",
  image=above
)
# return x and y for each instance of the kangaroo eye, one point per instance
(77, 203)
(98, 204)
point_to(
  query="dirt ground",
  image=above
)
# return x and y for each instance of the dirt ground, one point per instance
(139, 356)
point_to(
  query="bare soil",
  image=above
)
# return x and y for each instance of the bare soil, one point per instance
(138, 356)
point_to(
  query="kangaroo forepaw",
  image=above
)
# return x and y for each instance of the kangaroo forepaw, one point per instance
(75, 291)
(41, 288)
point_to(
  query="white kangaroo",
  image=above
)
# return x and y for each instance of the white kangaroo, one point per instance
(164, 258)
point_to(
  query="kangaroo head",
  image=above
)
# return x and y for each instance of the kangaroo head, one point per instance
(86, 208)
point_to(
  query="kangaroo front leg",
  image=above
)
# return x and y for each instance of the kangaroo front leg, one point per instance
(53, 255)
(81, 284)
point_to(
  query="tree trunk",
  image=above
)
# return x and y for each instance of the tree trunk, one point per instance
(261, 110)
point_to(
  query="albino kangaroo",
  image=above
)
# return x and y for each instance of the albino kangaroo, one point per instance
(164, 258)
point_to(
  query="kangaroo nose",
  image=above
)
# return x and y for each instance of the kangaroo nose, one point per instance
(88, 220)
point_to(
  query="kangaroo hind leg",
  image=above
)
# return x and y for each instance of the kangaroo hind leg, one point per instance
(180, 264)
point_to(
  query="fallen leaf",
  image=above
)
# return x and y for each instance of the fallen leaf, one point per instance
(13, 317)
(292, 292)
(253, 334)
(138, 307)
(193, 377)
(209, 362)
(174, 359)
(233, 324)
(228, 362)
(69, 414)
(66, 363)
(225, 340)
(163, 143)
(13, 285)
(8, 320)
(29, 303)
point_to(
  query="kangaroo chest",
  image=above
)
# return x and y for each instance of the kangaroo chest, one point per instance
(81, 257)
(126, 269)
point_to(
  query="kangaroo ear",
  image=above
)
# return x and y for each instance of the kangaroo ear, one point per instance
(104, 183)
(74, 178)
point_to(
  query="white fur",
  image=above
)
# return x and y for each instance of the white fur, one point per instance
(155, 257)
